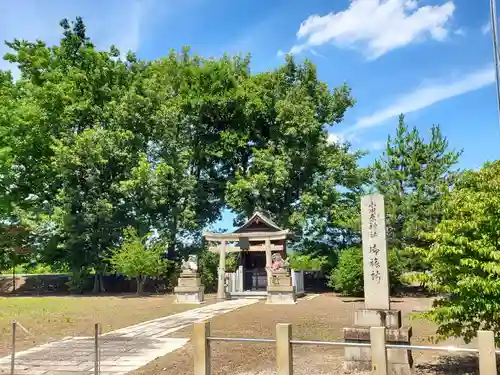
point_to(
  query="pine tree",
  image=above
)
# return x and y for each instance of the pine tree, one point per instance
(413, 175)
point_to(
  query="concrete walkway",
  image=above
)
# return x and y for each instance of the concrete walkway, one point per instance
(121, 351)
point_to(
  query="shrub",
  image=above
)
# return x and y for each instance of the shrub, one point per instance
(347, 278)
(396, 269)
(79, 281)
(208, 268)
(137, 258)
(307, 262)
(38, 269)
(231, 262)
(208, 263)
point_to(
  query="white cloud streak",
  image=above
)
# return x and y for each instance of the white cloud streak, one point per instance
(486, 28)
(426, 96)
(376, 145)
(376, 26)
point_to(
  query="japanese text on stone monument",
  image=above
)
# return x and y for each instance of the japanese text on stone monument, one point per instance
(376, 280)
(373, 250)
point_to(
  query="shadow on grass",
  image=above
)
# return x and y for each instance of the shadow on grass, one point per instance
(352, 300)
(451, 365)
(356, 300)
(413, 291)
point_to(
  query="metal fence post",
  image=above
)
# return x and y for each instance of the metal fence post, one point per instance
(379, 351)
(97, 358)
(487, 356)
(284, 355)
(201, 332)
(13, 354)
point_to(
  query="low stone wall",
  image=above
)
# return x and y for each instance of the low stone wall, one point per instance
(57, 284)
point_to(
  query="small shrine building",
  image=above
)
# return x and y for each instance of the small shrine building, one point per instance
(255, 241)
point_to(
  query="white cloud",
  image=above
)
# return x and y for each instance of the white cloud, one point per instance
(360, 144)
(426, 96)
(376, 145)
(486, 28)
(317, 54)
(108, 22)
(376, 26)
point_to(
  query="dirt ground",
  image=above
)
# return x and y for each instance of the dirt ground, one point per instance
(321, 318)
(49, 318)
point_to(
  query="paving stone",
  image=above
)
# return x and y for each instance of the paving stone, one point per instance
(121, 351)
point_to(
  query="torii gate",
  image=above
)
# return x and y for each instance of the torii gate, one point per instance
(258, 234)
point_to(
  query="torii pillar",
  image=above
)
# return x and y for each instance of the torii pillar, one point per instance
(221, 288)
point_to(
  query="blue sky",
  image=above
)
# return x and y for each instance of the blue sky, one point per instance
(429, 59)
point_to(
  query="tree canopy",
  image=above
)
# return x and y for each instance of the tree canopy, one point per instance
(413, 175)
(465, 255)
(94, 142)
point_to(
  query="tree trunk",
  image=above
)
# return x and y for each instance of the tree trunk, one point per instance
(101, 282)
(98, 283)
(141, 281)
(96, 288)
(13, 277)
(173, 236)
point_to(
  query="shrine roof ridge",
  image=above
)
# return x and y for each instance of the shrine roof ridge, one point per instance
(282, 234)
(258, 215)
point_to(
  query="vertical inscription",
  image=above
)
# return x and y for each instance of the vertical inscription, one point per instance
(375, 270)
(372, 219)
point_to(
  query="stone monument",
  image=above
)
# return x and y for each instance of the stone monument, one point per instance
(377, 311)
(189, 289)
(280, 290)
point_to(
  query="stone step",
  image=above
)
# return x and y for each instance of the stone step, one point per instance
(253, 294)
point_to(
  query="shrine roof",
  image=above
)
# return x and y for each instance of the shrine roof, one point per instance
(258, 227)
(259, 222)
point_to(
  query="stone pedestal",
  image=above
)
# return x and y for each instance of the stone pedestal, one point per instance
(281, 291)
(189, 289)
(400, 361)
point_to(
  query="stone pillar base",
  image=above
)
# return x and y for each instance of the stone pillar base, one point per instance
(191, 295)
(190, 290)
(400, 361)
(281, 295)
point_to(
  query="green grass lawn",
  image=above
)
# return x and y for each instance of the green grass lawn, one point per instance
(50, 318)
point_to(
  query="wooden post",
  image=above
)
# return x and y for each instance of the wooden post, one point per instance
(221, 292)
(487, 356)
(96, 349)
(269, 263)
(13, 354)
(284, 354)
(378, 349)
(201, 332)
(14, 276)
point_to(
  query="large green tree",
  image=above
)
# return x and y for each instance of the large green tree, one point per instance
(465, 257)
(68, 149)
(287, 167)
(327, 216)
(195, 116)
(413, 174)
(94, 143)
